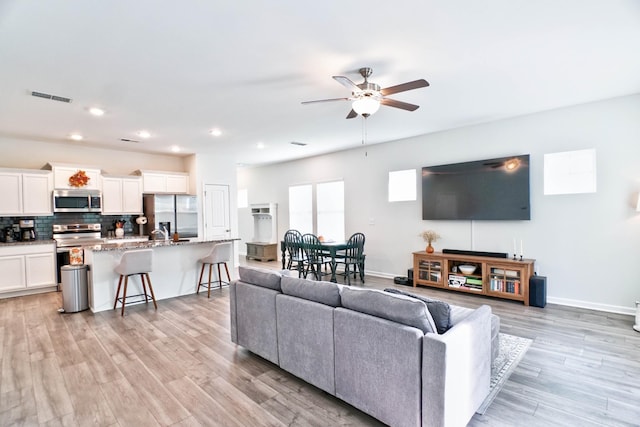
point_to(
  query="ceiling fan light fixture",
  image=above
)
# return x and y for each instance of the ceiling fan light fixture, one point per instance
(366, 106)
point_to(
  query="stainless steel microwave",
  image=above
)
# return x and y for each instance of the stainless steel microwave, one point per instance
(77, 201)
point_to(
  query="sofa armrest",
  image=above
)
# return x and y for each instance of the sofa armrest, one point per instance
(232, 312)
(456, 370)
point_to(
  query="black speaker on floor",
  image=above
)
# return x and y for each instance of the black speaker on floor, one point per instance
(538, 291)
(410, 276)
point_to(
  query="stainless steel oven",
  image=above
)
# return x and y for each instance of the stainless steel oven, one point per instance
(77, 201)
(69, 236)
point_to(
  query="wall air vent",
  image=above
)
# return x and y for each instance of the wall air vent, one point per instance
(129, 140)
(301, 144)
(51, 97)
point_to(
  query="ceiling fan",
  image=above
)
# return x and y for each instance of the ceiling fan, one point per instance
(368, 96)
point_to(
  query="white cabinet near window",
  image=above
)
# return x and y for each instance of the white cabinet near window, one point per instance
(121, 195)
(27, 267)
(154, 182)
(25, 192)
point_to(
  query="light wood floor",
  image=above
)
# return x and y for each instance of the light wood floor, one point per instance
(178, 367)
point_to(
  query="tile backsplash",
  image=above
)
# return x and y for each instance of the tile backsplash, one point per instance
(44, 223)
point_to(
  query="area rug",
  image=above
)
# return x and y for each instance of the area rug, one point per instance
(512, 349)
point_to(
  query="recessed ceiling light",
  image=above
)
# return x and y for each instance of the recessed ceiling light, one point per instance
(175, 149)
(260, 145)
(76, 137)
(144, 134)
(96, 111)
(215, 132)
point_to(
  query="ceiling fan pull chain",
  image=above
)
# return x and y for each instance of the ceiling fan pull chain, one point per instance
(364, 133)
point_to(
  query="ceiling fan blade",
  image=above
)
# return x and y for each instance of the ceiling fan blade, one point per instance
(346, 82)
(352, 114)
(399, 104)
(325, 100)
(416, 84)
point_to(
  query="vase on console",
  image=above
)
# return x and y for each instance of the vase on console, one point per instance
(429, 236)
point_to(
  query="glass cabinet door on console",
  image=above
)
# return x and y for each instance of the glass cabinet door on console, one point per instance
(506, 281)
(428, 270)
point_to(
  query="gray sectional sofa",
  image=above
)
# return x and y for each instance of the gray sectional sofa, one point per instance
(376, 350)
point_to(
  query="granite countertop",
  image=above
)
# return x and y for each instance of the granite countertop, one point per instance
(124, 245)
(31, 242)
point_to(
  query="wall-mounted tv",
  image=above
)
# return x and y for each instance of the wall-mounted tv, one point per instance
(492, 189)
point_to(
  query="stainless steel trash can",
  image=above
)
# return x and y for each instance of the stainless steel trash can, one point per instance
(75, 292)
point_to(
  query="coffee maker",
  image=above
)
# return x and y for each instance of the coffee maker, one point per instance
(8, 236)
(27, 230)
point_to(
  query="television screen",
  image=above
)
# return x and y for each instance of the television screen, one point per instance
(493, 189)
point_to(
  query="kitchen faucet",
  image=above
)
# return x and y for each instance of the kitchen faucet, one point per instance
(164, 232)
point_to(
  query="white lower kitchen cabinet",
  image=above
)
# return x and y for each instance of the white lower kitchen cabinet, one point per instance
(26, 267)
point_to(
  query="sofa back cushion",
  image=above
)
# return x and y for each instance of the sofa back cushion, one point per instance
(397, 308)
(260, 277)
(323, 292)
(440, 310)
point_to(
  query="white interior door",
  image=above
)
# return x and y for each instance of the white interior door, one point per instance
(216, 211)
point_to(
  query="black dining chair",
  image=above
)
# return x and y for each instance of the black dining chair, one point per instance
(294, 252)
(314, 256)
(353, 256)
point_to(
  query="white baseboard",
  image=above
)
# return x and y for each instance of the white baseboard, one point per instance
(593, 306)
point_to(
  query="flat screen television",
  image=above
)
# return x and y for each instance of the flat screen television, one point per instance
(492, 189)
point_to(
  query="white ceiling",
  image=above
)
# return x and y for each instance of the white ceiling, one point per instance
(180, 68)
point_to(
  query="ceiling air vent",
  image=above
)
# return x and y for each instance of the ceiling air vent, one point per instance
(51, 97)
(301, 144)
(129, 140)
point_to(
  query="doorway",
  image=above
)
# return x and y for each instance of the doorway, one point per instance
(216, 212)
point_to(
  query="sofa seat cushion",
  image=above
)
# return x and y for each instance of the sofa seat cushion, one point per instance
(397, 308)
(260, 277)
(440, 310)
(323, 292)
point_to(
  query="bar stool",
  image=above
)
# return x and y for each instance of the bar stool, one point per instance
(220, 254)
(132, 263)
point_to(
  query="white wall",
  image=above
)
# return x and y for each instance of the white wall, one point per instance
(29, 154)
(213, 168)
(586, 244)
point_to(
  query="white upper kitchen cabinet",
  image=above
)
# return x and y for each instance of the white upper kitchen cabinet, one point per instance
(24, 192)
(36, 193)
(10, 193)
(154, 182)
(62, 173)
(121, 195)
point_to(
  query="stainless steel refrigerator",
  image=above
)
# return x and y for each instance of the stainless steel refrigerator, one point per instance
(176, 212)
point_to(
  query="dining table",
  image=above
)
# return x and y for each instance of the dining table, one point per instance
(329, 249)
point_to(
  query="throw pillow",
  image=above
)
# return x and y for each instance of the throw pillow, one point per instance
(440, 310)
(397, 308)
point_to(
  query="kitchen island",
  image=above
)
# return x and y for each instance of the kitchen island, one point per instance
(175, 269)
